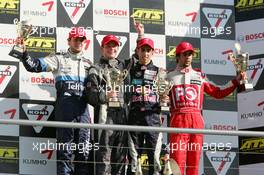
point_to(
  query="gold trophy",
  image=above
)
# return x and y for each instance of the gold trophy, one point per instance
(240, 62)
(163, 87)
(114, 79)
(171, 168)
(24, 30)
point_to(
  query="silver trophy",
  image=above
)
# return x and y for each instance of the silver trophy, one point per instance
(163, 87)
(114, 79)
(240, 61)
(24, 30)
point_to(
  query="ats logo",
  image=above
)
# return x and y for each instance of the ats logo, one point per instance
(172, 51)
(148, 16)
(252, 145)
(244, 5)
(75, 8)
(9, 6)
(38, 112)
(6, 74)
(8, 154)
(41, 44)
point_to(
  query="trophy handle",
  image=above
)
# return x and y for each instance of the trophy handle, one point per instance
(124, 74)
(102, 72)
(30, 31)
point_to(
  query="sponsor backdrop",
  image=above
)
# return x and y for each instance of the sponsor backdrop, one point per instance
(249, 16)
(212, 26)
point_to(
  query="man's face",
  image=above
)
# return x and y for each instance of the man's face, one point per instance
(110, 50)
(145, 54)
(185, 59)
(76, 44)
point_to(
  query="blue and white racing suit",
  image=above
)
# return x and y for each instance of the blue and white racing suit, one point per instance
(70, 72)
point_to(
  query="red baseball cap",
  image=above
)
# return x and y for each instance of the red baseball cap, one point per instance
(109, 38)
(184, 47)
(145, 41)
(77, 32)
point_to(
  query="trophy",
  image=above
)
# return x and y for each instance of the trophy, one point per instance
(163, 87)
(240, 62)
(171, 168)
(24, 30)
(114, 79)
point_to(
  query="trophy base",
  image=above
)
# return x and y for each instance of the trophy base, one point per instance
(114, 104)
(249, 87)
(165, 108)
(16, 52)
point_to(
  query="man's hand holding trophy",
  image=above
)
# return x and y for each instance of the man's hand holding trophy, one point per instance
(240, 61)
(163, 87)
(24, 30)
(114, 79)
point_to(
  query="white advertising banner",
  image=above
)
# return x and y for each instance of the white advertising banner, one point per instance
(9, 110)
(111, 15)
(39, 13)
(35, 157)
(182, 18)
(251, 109)
(251, 38)
(220, 120)
(215, 60)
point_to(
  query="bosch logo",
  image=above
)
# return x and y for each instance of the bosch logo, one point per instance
(42, 80)
(255, 36)
(158, 51)
(10, 41)
(224, 127)
(115, 12)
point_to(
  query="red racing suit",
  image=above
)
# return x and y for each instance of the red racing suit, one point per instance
(186, 98)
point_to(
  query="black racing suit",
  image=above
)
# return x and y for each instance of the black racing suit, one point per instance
(69, 71)
(112, 144)
(144, 111)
